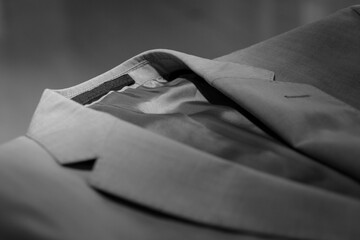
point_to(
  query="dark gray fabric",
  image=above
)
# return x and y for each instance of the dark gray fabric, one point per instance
(178, 110)
(325, 54)
(146, 186)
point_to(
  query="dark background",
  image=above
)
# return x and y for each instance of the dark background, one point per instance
(57, 44)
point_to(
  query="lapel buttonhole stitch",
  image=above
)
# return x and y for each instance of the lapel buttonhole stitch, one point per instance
(297, 96)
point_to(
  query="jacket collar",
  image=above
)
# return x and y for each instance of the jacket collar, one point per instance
(162, 174)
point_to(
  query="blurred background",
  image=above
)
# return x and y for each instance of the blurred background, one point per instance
(59, 43)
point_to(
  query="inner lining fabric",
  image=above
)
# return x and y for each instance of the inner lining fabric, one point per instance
(188, 110)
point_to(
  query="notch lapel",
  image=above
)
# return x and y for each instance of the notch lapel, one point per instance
(181, 181)
(168, 176)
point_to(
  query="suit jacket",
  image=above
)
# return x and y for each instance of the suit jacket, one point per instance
(145, 186)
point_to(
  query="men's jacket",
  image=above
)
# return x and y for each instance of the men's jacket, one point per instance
(173, 146)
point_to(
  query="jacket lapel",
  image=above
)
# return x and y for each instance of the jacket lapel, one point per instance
(306, 118)
(70, 132)
(181, 181)
(162, 174)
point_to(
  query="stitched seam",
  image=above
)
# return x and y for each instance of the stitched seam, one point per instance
(133, 68)
(178, 61)
(137, 66)
(34, 138)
